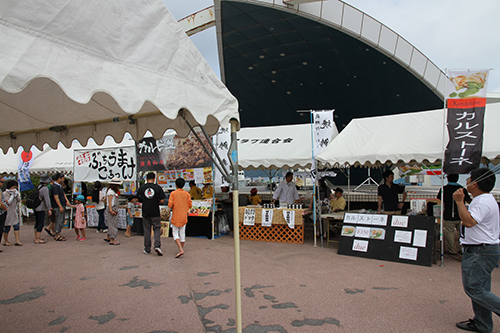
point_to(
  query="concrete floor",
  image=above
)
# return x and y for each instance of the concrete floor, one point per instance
(94, 287)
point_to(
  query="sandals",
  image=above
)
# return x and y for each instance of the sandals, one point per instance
(179, 254)
(106, 240)
(7, 244)
(18, 244)
(40, 241)
(49, 232)
(60, 239)
(114, 243)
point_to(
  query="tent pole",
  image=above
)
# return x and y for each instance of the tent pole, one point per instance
(236, 225)
(221, 168)
(349, 188)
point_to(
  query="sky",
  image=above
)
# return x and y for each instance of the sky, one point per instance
(454, 34)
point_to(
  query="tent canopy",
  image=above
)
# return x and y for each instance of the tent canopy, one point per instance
(276, 147)
(74, 70)
(405, 138)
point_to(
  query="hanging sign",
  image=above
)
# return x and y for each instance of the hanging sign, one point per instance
(466, 103)
(249, 218)
(103, 164)
(267, 217)
(289, 216)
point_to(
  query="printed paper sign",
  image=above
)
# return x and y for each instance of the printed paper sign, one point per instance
(198, 175)
(104, 164)
(289, 216)
(365, 219)
(420, 238)
(267, 217)
(409, 253)
(348, 230)
(360, 245)
(351, 218)
(377, 233)
(249, 218)
(379, 220)
(399, 221)
(363, 232)
(402, 236)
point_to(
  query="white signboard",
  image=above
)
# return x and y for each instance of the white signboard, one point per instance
(267, 217)
(402, 236)
(420, 238)
(380, 220)
(363, 232)
(409, 253)
(360, 245)
(289, 216)
(350, 218)
(365, 218)
(249, 218)
(103, 164)
(222, 143)
(399, 221)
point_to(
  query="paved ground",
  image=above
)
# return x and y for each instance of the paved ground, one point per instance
(95, 287)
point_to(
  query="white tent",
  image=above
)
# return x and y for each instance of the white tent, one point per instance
(276, 147)
(75, 70)
(79, 69)
(410, 138)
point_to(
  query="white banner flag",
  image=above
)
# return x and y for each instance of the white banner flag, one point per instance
(323, 128)
(103, 164)
(222, 143)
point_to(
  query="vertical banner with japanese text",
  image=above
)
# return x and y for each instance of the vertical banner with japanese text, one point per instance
(322, 135)
(25, 160)
(222, 142)
(103, 164)
(466, 102)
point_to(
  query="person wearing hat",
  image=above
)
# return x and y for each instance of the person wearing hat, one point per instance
(3, 208)
(207, 192)
(112, 211)
(80, 222)
(254, 198)
(338, 203)
(44, 194)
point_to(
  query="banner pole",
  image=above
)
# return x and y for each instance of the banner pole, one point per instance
(236, 225)
(441, 225)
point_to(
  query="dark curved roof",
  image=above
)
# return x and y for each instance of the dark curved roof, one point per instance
(276, 62)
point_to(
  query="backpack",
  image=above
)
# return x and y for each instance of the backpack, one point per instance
(34, 200)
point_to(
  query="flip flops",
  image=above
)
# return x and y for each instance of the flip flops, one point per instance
(60, 239)
(40, 241)
(114, 243)
(7, 244)
(49, 232)
(179, 254)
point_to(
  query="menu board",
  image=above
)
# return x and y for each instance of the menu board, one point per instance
(406, 239)
(201, 208)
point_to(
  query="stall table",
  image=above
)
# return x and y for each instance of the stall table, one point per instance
(335, 220)
(279, 232)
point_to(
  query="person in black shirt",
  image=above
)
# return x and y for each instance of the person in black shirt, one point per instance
(450, 213)
(388, 193)
(152, 196)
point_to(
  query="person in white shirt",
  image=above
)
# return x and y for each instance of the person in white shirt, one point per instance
(286, 191)
(479, 237)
